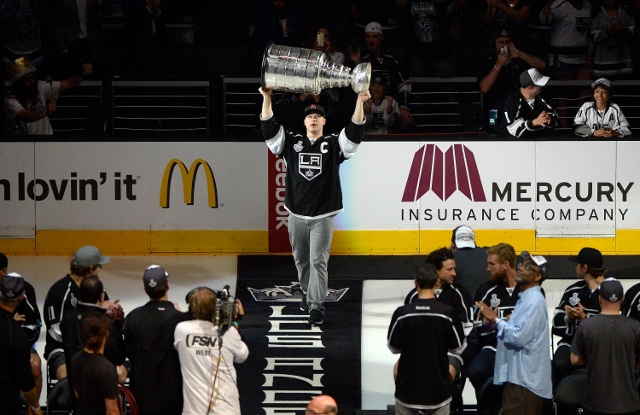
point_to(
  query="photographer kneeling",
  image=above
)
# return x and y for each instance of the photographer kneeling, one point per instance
(207, 353)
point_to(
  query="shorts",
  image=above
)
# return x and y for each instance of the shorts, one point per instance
(56, 359)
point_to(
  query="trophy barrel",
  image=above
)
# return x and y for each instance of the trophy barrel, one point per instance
(292, 69)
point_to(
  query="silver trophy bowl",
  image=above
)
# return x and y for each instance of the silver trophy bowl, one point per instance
(293, 69)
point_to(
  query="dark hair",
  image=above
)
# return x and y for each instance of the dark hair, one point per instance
(202, 303)
(439, 256)
(4, 261)
(91, 289)
(426, 275)
(82, 271)
(595, 272)
(504, 252)
(157, 292)
(95, 328)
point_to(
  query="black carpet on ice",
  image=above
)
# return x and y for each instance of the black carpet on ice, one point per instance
(337, 341)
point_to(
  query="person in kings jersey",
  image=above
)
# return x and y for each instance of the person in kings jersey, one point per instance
(313, 195)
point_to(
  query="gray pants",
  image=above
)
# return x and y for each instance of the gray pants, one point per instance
(403, 410)
(311, 243)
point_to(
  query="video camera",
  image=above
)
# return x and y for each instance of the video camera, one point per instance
(225, 310)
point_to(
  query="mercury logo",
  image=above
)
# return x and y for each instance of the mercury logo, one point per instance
(443, 174)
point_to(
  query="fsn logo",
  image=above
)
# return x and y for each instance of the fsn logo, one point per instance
(188, 182)
(443, 174)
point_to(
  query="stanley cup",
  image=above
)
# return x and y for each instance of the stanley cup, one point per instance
(292, 69)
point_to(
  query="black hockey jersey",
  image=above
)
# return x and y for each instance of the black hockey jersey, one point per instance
(313, 186)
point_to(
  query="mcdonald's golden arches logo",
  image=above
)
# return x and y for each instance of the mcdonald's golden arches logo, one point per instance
(188, 182)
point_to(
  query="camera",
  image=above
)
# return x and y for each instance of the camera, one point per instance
(504, 49)
(225, 310)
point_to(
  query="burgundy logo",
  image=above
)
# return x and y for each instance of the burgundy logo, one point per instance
(443, 174)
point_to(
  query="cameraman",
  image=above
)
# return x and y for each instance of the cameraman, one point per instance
(207, 358)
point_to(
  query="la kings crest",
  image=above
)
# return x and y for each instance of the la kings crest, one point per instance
(310, 165)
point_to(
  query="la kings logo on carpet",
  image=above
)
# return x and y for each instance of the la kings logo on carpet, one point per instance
(291, 361)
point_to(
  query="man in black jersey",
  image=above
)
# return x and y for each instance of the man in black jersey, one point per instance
(313, 195)
(148, 335)
(63, 296)
(28, 316)
(422, 332)
(579, 301)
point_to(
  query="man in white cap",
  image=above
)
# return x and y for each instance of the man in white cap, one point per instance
(471, 260)
(29, 102)
(598, 339)
(526, 113)
(63, 296)
(148, 335)
(523, 343)
(388, 67)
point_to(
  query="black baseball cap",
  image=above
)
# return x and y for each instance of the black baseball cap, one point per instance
(590, 257)
(611, 290)
(12, 286)
(314, 109)
(155, 276)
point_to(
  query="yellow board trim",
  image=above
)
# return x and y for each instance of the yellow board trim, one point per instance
(386, 242)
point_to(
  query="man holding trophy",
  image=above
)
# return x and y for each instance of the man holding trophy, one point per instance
(313, 194)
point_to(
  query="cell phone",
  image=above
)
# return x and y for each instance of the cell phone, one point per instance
(504, 49)
(320, 39)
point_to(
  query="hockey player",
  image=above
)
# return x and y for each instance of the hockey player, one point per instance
(313, 196)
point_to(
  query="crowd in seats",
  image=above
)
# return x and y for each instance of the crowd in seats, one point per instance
(204, 40)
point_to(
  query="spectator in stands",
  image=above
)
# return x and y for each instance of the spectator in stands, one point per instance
(209, 387)
(28, 315)
(601, 117)
(381, 111)
(91, 302)
(63, 297)
(422, 332)
(280, 23)
(78, 35)
(389, 14)
(29, 102)
(522, 356)
(579, 301)
(20, 31)
(570, 21)
(148, 335)
(512, 15)
(431, 47)
(597, 341)
(500, 75)
(612, 30)
(95, 383)
(148, 40)
(526, 113)
(501, 293)
(388, 67)
(323, 404)
(15, 367)
(237, 28)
